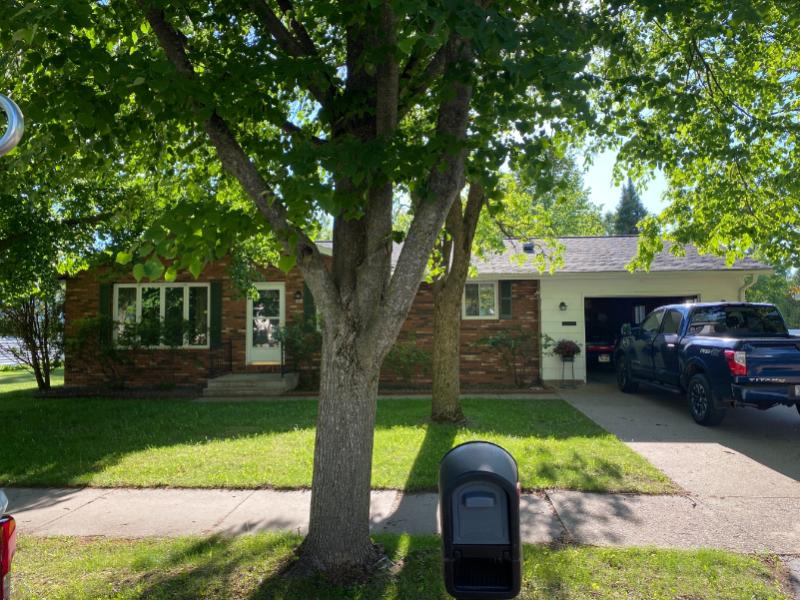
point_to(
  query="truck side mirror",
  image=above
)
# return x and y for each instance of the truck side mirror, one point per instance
(479, 509)
(626, 329)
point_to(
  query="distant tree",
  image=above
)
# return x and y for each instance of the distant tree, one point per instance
(563, 200)
(33, 330)
(609, 222)
(779, 289)
(630, 211)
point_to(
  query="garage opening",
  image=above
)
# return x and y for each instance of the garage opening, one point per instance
(604, 317)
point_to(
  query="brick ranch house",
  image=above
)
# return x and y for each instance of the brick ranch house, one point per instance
(234, 334)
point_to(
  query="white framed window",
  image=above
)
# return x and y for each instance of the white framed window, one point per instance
(168, 314)
(480, 300)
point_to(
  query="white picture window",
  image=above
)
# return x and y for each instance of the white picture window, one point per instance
(168, 314)
(480, 300)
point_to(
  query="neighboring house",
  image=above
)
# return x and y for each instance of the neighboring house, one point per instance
(231, 333)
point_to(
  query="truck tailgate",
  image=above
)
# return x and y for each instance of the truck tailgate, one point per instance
(772, 358)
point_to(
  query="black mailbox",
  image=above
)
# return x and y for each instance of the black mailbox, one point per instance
(479, 508)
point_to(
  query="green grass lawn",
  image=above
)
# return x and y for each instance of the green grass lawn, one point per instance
(52, 442)
(248, 566)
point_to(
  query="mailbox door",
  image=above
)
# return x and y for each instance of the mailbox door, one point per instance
(480, 514)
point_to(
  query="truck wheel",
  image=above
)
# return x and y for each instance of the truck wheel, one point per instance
(701, 402)
(624, 380)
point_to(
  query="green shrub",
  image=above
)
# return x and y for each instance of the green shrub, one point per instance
(302, 342)
(516, 349)
(407, 361)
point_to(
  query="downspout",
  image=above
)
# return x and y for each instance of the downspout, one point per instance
(747, 285)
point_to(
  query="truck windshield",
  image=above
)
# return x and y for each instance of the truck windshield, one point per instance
(737, 321)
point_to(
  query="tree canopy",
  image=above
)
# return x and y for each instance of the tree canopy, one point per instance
(712, 97)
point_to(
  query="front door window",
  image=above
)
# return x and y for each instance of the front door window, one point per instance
(265, 319)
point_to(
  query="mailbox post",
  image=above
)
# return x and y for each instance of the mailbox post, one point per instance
(479, 510)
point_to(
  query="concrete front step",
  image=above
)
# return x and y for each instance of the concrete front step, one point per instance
(250, 385)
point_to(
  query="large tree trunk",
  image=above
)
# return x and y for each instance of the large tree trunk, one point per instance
(446, 407)
(338, 539)
(362, 302)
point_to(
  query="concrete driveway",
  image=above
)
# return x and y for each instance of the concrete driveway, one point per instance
(752, 455)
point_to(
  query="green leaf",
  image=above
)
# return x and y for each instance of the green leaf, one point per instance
(123, 258)
(287, 262)
(138, 271)
(153, 268)
(196, 266)
(171, 273)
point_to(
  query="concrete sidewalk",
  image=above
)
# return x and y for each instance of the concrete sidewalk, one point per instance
(584, 518)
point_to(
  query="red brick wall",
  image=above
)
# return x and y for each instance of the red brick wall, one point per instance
(481, 366)
(180, 366)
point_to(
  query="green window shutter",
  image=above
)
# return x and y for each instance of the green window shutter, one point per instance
(505, 300)
(215, 305)
(106, 313)
(309, 310)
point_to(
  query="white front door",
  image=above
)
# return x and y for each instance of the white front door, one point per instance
(265, 315)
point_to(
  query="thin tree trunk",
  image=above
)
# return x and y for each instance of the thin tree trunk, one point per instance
(446, 356)
(447, 294)
(338, 539)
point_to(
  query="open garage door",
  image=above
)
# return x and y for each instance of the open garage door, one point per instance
(603, 318)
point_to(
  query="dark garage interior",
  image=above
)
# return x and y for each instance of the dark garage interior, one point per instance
(603, 318)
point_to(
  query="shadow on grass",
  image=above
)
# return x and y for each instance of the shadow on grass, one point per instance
(417, 512)
(259, 567)
(57, 442)
(16, 377)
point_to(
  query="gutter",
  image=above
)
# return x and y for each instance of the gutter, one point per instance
(747, 285)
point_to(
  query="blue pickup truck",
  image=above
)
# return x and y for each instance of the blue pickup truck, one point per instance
(721, 355)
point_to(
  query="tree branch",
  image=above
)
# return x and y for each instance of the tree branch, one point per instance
(299, 30)
(292, 46)
(444, 181)
(376, 265)
(237, 163)
(295, 131)
(412, 87)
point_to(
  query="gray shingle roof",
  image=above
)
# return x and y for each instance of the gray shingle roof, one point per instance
(609, 254)
(598, 255)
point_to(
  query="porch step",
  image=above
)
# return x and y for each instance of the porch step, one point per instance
(250, 385)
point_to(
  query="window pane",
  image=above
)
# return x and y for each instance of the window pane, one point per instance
(471, 300)
(737, 320)
(266, 318)
(198, 316)
(487, 298)
(126, 308)
(652, 322)
(173, 316)
(151, 317)
(672, 322)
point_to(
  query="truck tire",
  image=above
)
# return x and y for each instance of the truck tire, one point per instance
(701, 402)
(624, 380)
